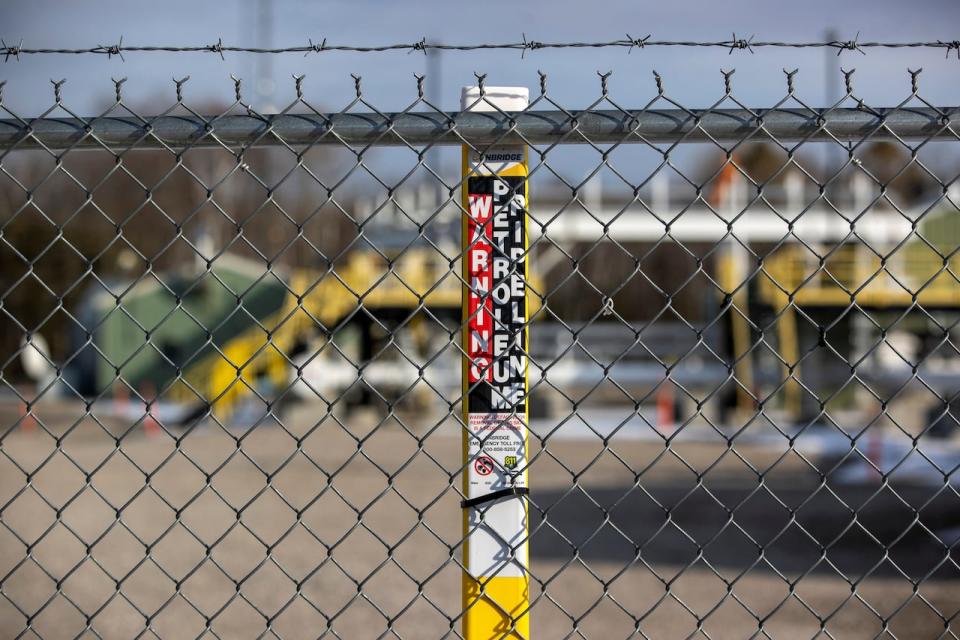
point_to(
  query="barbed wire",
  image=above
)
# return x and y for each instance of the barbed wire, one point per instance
(734, 43)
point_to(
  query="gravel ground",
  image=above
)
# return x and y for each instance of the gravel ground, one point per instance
(229, 524)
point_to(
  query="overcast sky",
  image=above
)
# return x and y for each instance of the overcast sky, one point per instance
(692, 75)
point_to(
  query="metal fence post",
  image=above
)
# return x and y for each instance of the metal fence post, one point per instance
(496, 583)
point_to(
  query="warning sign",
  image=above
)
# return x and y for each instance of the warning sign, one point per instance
(498, 451)
(495, 341)
(496, 274)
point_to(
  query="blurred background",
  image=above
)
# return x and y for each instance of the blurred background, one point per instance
(785, 448)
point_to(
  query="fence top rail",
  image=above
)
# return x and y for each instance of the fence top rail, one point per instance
(484, 129)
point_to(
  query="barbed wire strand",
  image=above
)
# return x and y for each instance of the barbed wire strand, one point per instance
(735, 43)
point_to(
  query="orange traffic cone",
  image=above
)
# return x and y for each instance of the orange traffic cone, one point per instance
(27, 421)
(665, 414)
(150, 425)
(121, 397)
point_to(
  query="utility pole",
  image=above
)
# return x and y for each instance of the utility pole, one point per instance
(263, 64)
(831, 94)
(434, 91)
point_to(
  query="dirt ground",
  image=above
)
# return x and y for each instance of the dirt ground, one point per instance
(304, 532)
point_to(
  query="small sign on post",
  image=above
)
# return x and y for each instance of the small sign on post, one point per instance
(496, 582)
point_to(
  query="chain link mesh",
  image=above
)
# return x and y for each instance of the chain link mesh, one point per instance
(231, 389)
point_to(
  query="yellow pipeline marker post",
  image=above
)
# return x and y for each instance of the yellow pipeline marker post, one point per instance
(496, 582)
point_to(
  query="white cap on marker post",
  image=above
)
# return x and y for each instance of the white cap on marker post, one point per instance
(505, 98)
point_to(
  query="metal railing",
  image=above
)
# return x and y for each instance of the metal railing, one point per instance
(603, 126)
(236, 368)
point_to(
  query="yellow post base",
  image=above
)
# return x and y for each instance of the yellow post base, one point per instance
(500, 609)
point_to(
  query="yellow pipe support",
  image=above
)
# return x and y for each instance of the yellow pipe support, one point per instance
(732, 280)
(788, 344)
(851, 274)
(313, 298)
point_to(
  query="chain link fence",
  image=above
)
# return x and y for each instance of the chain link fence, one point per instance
(231, 366)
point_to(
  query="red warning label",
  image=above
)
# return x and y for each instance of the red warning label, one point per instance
(496, 294)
